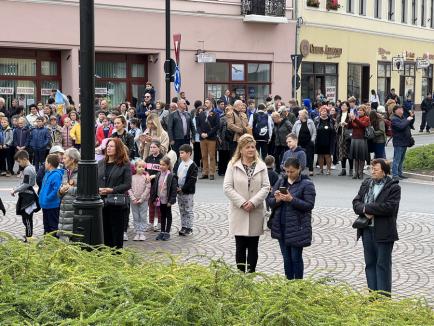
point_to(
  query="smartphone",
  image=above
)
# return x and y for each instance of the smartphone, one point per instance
(283, 190)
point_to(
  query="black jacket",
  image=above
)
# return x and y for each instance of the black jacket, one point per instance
(128, 141)
(385, 209)
(189, 186)
(119, 178)
(426, 105)
(25, 199)
(293, 219)
(209, 125)
(2, 207)
(175, 129)
(172, 185)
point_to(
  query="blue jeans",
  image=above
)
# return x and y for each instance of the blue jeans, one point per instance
(292, 260)
(378, 261)
(398, 160)
(379, 150)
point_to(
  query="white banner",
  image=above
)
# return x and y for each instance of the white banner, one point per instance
(45, 91)
(101, 91)
(331, 93)
(6, 90)
(25, 90)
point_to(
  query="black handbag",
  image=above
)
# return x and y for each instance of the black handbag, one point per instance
(348, 134)
(361, 222)
(270, 219)
(411, 142)
(369, 133)
(118, 200)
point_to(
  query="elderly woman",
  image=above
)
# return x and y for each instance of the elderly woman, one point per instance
(359, 152)
(114, 177)
(246, 185)
(325, 139)
(304, 129)
(378, 200)
(154, 132)
(67, 193)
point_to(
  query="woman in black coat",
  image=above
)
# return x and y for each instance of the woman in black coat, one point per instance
(292, 201)
(378, 199)
(114, 177)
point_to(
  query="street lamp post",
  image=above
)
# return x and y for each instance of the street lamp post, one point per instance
(88, 204)
(168, 75)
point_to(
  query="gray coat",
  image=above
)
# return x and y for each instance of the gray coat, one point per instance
(66, 216)
(175, 129)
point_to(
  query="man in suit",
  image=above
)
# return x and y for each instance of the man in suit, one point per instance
(180, 126)
(227, 99)
(208, 124)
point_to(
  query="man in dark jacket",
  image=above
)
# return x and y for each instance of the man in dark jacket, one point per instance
(378, 200)
(180, 126)
(145, 108)
(401, 139)
(426, 106)
(392, 96)
(282, 127)
(207, 126)
(38, 141)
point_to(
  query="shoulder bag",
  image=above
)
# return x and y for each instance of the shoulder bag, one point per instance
(361, 222)
(369, 133)
(117, 200)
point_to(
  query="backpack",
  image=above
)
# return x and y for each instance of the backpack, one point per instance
(388, 125)
(260, 126)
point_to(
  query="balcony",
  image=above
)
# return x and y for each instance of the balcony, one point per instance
(264, 11)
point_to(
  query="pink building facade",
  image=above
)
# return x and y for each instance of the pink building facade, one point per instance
(39, 48)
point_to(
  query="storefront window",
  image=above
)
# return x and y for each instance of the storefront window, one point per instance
(407, 81)
(111, 69)
(320, 76)
(115, 93)
(17, 67)
(137, 70)
(48, 68)
(383, 79)
(250, 80)
(46, 87)
(427, 76)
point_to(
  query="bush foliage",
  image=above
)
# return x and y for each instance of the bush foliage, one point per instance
(420, 158)
(48, 282)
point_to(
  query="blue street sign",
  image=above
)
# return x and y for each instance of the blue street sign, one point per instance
(177, 80)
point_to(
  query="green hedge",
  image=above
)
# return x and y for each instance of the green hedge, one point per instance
(420, 158)
(51, 283)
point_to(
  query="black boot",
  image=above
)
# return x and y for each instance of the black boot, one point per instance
(343, 172)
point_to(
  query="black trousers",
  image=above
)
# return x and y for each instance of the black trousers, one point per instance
(310, 153)
(10, 153)
(224, 157)
(246, 248)
(232, 148)
(39, 158)
(51, 219)
(278, 155)
(28, 224)
(197, 153)
(424, 123)
(113, 226)
(262, 148)
(166, 218)
(3, 155)
(178, 143)
(127, 218)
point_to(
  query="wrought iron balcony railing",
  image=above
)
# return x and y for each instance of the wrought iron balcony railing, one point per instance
(263, 7)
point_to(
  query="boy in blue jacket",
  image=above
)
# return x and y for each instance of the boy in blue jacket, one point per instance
(48, 199)
(39, 140)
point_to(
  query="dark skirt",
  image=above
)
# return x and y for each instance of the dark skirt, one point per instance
(359, 150)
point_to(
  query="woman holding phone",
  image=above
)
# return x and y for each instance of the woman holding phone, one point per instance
(292, 201)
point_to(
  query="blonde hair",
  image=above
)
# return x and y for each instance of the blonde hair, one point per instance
(155, 120)
(244, 140)
(139, 161)
(304, 112)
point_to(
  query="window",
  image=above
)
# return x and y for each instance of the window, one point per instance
(414, 12)
(350, 6)
(48, 68)
(391, 10)
(427, 76)
(383, 79)
(377, 9)
(423, 13)
(137, 70)
(318, 75)
(17, 67)
(407, 81)
(404, 11)
(251, 80)
(432, 14)
(362, 7)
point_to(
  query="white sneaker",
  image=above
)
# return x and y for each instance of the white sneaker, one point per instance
(136, 237)
(125, 236)
(157, 228)
(333, 167)
(142, 237)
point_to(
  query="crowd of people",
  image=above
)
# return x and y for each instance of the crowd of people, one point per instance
(149, 158)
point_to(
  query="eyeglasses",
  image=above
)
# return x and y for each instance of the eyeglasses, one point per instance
(147, 97)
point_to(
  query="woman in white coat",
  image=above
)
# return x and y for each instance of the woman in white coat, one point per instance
(246, 185)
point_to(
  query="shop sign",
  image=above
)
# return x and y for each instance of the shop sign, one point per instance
(330, 52)
(383, 53)
(206, 57)
(422, 63)
(331, 93)
(101, 91)
(45, 91)
(428, 56)
(25, 90)
(409, 55)
(397, 63)
(6, 90)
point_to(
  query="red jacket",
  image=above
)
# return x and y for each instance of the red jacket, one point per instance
(100, 134)
(359, 125)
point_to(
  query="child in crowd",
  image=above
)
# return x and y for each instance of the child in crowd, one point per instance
(7, 151)
(294, 151)
(163, 195)
(104, 131)
(39, 140)
(272, 174)
(135, 131)
(153, 167)
(139, 195)
(67, 141)
(48, 199)
(27, 200)
(20, 138)
(186, 171)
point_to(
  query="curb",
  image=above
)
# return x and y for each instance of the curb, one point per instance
(419, 176)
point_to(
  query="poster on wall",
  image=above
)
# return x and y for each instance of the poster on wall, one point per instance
(45, 91)
(25, 90)
(331, 93)
(6, 91)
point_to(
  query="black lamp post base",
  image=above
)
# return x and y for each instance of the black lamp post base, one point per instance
(88, 222)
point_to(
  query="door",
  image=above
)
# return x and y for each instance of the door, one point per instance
(365, 84)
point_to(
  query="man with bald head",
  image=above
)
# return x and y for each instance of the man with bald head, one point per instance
(237, 123)
(180, 126)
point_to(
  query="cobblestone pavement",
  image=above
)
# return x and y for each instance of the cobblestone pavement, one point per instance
(334, 252)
